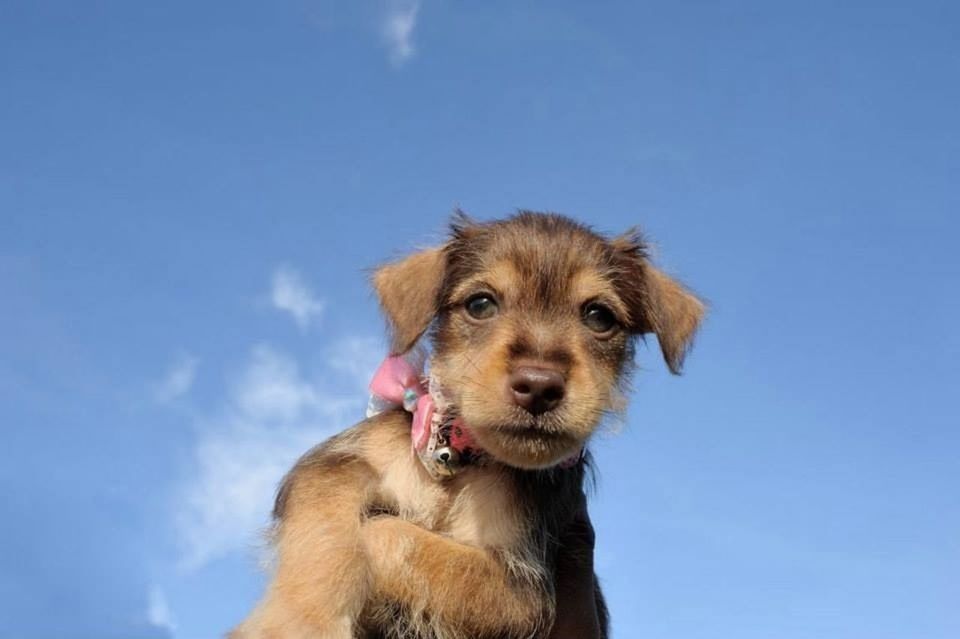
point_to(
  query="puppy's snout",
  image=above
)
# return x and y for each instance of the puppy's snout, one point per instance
(537, 390)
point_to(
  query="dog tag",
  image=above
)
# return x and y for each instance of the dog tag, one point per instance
(446, 460)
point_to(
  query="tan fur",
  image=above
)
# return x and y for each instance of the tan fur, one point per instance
(438, 577)
(408, 293)
(657, 303)
(330, 563)
(674, 314)
(370, 545)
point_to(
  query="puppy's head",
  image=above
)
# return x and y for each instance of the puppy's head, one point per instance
(534, 319)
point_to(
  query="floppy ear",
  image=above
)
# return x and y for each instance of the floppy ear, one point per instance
(658, 303)
(674, 314)
(409, 292)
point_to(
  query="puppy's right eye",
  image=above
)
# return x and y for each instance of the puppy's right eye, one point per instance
(481, 306)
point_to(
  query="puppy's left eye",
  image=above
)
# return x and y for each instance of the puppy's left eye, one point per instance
(598, 318)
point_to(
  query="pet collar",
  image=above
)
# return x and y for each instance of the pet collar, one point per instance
(438, 435)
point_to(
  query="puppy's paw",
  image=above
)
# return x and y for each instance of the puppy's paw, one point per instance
(277, 622)
(343, 629)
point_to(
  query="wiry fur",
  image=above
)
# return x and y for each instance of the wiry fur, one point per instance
(370, 545)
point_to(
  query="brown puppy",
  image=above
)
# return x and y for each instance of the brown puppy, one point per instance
(533, 323)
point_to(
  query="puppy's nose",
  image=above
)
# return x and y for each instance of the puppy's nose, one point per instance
(536, 390)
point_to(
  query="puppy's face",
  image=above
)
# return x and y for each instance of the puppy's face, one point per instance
(534, 319)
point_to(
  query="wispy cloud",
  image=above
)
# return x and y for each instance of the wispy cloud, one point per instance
(178, 380)
(272, 415)
(397, 28)
(355, 357)
(289, 293)
(158, 610)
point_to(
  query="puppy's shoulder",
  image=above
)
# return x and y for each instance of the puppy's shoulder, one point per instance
(359, 453)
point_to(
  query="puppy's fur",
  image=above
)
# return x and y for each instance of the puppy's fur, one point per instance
(369, 545)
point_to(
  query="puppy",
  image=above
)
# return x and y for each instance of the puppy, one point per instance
(478, 528)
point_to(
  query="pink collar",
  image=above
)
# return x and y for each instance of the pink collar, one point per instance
(441, 440)
(437, 433)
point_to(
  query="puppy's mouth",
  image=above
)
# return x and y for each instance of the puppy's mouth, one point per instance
(527, 446)
(533, 438)
(554, 424)
(532, 432)
(527, 441)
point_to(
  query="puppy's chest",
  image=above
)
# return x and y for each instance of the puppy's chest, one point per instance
(477, 507)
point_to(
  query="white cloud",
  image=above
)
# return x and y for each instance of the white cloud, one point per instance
(356, 357)
(289, 293)
(397, 29)
(158, 610)
(271, 416)
(178, 380)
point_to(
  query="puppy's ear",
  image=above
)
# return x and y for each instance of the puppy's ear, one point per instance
(409, 295)
(674, 314)
(657, 303)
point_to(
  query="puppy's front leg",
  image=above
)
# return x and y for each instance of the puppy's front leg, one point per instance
(457, 585)
(322, 579)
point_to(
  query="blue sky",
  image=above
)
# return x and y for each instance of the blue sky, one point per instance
(190, 193)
